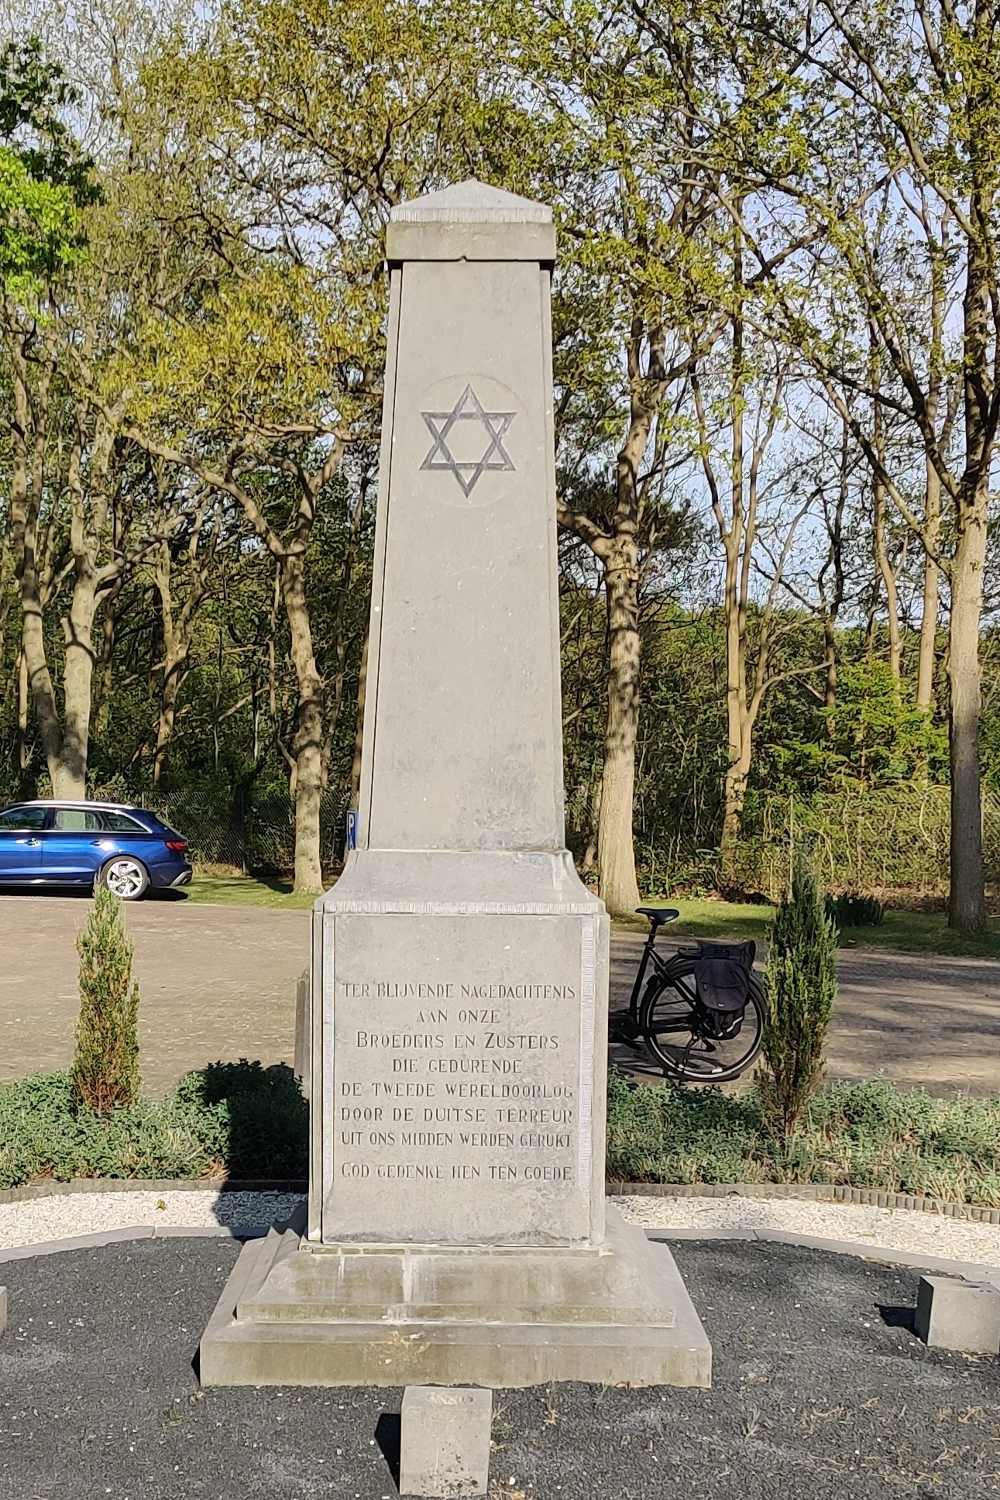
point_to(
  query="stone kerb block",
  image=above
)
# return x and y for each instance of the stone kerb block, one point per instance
(959, 1315)
(445, 1441)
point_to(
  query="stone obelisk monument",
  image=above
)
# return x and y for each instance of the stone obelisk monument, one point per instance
(456, 1227)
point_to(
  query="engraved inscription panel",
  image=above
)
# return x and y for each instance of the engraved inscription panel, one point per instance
(460, 1103)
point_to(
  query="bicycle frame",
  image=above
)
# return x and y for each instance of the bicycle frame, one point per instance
(660, 964)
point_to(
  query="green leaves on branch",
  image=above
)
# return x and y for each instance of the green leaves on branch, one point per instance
(45, 180)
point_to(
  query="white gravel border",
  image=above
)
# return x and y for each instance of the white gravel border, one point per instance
(39, 1221)
(858, 1223)
(36, 1221)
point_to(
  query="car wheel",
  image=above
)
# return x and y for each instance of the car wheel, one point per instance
(126, 877)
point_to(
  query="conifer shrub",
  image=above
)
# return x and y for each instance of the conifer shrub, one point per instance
(801, 988)
(105, 1071)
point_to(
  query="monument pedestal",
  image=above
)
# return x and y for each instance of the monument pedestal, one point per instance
(456, 1227)
(461, 1102)
(299, 1314)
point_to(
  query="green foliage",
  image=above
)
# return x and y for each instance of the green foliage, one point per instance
(237, 1118)
(850, 909)
(874, 736)
(105, 1071)
(801, 988)
(45, 180)
(248, 1122)
(858, 1134)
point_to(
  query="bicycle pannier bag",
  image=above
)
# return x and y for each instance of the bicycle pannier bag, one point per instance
(722, 975)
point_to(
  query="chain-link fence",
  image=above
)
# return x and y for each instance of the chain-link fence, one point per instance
(894, 840)
(249, 833)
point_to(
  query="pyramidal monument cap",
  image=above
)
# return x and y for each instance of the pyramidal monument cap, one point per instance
(471, 221)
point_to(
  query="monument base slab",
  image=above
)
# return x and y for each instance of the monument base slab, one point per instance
(296, 1313)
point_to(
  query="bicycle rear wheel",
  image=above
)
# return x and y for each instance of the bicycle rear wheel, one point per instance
(677, 1031)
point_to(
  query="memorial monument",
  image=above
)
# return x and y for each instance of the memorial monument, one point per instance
(456, 1229)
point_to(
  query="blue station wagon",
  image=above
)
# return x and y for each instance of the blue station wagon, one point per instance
(83, 843)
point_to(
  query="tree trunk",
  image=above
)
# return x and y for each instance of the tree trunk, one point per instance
(25, 779)
(738, 542)
(69, 772)
(830, 665)
(308, 742)
(735, 791)
(616, 850)
(588, 863)
(173, 675)
(882, 561)
(929, 616)
(967, 903)
(738, 732)
(967, 899)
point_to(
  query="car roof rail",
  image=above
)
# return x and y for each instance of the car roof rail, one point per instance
(69, 802)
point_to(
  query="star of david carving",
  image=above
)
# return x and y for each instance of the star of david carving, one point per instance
(468, 408)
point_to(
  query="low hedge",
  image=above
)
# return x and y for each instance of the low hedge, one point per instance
(247, 1121)
(869, 1135)
(239, 1119)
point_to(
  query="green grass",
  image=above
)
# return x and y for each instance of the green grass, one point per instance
(246, 890)
(902, 931)
(869, 1135)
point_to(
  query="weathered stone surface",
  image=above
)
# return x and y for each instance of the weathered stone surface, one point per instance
(296, 1314)
(444, 1447)
(463, 736)
(471, 222)
(3, 1309)
(303, 1031)
(465, 1068)
(962, 1315)
(456, 1227)
(460, 966)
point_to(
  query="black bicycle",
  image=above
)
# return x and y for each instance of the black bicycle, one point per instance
(701, 1010)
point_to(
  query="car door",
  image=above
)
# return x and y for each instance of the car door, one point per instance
(21, 843)
(72, 845)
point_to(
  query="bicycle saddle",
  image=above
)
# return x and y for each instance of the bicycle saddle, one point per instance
(658, 914)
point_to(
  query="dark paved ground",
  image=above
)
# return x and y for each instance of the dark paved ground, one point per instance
(818, 1393)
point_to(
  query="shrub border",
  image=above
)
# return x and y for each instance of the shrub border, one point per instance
(816, 1192)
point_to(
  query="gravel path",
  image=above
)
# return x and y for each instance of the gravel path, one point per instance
(891, 1229)
(219, 982)
(42, 1219)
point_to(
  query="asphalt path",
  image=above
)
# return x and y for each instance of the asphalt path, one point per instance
(218, 982)
(821, 1390)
